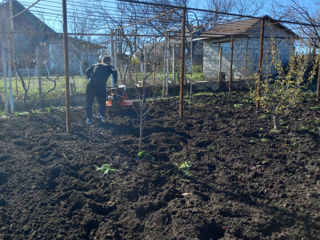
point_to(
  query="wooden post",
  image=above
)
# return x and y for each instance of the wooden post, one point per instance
(66, 63)
(183, 35)
(231, 63)
(260, 64)
(39, 73)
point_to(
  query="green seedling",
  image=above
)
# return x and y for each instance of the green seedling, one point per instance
(144, 154)
(314, 108)
(105, 168)
(185, 168)
(304, 128)
(211, 148)
(237, 105)
(48, 109)
(264, 140)
(282, 122)
(293, 142)
(275, 130)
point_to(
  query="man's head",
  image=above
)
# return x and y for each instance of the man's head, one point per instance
(106, 60)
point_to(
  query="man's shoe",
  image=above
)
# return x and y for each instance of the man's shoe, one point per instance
(100, 118)
(89, 121)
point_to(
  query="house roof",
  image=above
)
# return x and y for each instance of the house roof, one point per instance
(26, 22)
(39, 30)
(240, 28)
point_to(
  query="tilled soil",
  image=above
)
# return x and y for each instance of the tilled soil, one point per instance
(245, 181)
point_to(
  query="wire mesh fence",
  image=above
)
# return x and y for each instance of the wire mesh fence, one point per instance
(144, 40)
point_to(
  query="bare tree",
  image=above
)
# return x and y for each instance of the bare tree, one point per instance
(308, 17)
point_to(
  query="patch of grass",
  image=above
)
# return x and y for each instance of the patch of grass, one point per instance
(203, 94)
(264, 140)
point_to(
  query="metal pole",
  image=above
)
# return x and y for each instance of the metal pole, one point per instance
(245, 60)
(191, 61)
(4, 66)
(66, 63)
(116, 50)
(260, 64)
(174, 63)
(112, 47)
(10, 79)
(154, 61)
(13, 45)
(167, 62)
(231, 63)
(220, 63)
(38, 73)
(183, 33)
(318, 82)
(163, 70)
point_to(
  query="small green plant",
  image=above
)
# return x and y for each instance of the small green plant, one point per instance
(314, 108)
(48, 109)
(105, 168)
(293, 142)
(263, 116)
(144, 154)
(264, 140)
(237, 105)
(185, 167)
(211, 148)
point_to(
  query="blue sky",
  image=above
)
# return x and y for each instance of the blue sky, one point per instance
(50, 10)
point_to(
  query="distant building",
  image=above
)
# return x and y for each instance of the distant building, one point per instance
(246, 37)
(31, 33)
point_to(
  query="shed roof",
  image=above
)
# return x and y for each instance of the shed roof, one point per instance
(240, 28)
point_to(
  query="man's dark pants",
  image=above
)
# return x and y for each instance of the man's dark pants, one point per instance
(91, 93)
